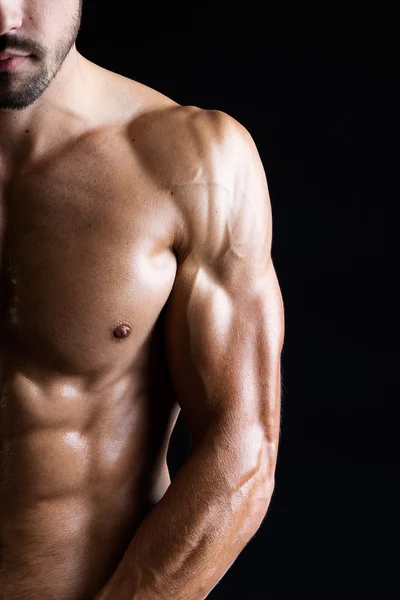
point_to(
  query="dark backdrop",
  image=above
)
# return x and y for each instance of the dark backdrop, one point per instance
(321, 108)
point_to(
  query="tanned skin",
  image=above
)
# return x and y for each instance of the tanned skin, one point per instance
(136, 281)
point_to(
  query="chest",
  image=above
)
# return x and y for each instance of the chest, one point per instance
(86, 259)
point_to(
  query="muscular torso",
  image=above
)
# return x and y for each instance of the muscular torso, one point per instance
(86, 405)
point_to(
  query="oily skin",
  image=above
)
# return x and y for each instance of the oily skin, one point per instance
(115, 234)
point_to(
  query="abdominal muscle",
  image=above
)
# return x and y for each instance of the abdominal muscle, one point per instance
(79, 470)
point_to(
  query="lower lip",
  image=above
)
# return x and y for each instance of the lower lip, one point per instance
(9, 64)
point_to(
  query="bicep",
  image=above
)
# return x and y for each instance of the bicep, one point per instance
(223, 348)
(224, 318)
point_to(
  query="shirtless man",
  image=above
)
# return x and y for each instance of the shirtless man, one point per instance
(136, 281)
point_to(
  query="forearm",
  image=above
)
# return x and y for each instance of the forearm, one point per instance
(191, 537)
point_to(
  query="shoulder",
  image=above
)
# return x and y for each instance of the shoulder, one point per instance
(176, 140)
(160, 125)
(186, 138)
(204, 161)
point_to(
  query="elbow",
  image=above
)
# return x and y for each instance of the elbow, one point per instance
(255, 507)
(260, 503)
(254, 467)
(266, 477)
(262, 497)
(261, 492)
(254, 490)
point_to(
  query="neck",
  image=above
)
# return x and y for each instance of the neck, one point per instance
(65, 103)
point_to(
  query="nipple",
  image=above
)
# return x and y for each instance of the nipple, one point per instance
(122, 331)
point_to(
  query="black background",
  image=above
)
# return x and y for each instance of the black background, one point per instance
(320, 99)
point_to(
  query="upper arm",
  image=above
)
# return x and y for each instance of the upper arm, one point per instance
(224, 317)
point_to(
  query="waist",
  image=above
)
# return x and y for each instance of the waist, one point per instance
(65, 548)
(81, 463)
(70, 503)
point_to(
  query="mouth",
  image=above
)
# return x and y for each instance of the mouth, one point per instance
(6, 54)
(10, 62)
